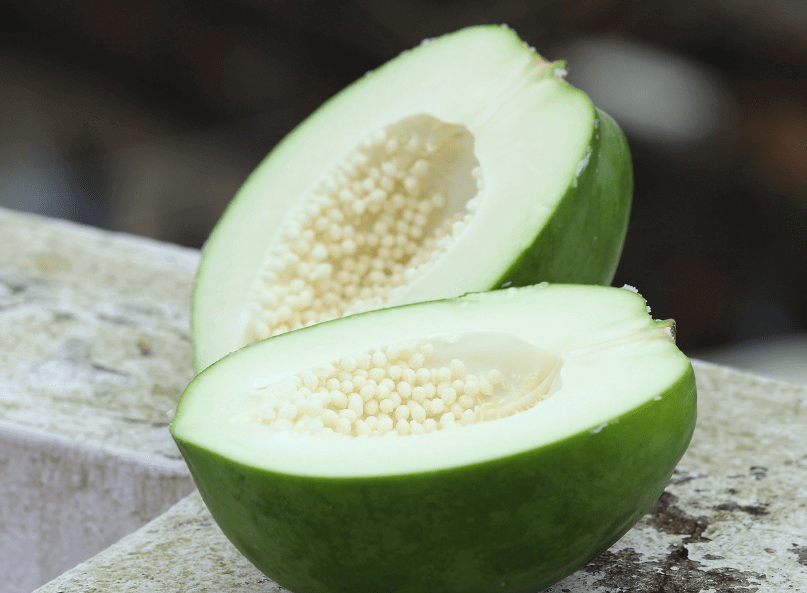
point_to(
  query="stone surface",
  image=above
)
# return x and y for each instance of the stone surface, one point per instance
(94, 324)
(732, 520)
(95, 351)
(94, 354)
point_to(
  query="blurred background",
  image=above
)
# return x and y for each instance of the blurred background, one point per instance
(147, 116)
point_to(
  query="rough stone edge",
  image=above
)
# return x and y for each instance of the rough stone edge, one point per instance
(126, 240)
(161, 464)
(196, 553)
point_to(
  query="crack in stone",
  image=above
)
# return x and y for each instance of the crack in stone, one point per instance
(665, 516)
(675, 573)
(104, 369)
(683, 476)
(144, 346)
(72, 367)
(14, 288)
(755, 510)
(801, 552)
(62, 316)
(17, 284)
(758, 471)
(115, 319)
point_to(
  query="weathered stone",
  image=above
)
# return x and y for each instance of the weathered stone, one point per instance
(724, 524)
(94, 353)
(733, 517)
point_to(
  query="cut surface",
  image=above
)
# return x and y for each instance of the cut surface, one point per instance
(536, 364)
(372, 227)
(466, 164)
(413, 388)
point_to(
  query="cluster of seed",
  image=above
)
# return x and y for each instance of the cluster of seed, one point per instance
(389, 391)
(372, 227)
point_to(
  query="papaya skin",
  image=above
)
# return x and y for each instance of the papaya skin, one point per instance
(517, 524)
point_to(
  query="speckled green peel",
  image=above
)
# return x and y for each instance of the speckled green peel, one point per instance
(570, 483)
(582, 241)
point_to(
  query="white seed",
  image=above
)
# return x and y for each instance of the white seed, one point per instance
(436, 407)
(338, 399)
(363, 360)
(419, 168)
(356, 404)
(343, 426)
(382, 392)
(409, 376)
(262, 331)
(394, 372)
(417, 411)
(367, 392)
(416, 361)
(466, 401)
(471, 388)
(314, 408)
(349, 415)
(457, 368)
(362, 428)
(384, 425)
(396, 398)
(288, 412)
(358, 207)
(485, 387)
(423, 375)
(404, 389)
(448, 396)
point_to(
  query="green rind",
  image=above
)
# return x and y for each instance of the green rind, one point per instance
(582, 241)
(519, 523)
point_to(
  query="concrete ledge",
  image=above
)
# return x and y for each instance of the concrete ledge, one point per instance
(61, 502)
(94, 353)
(732, 519)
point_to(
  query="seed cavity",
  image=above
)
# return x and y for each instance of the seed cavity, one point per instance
(395, 390)
(371, 227)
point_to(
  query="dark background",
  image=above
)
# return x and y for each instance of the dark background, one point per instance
(147, 116)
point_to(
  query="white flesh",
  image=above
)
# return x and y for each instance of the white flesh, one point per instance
(530, 133)
(613, 358)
